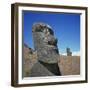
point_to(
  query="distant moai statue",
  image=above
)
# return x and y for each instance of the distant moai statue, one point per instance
(46, 46)
(69, 53)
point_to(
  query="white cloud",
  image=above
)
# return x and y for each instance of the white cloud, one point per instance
(75, 53)
(65, 54)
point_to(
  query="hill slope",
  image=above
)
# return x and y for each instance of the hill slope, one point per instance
(68, 65)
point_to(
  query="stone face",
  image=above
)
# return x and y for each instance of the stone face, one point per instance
(45, 43)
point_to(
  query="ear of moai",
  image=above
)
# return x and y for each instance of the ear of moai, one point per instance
(45, 43)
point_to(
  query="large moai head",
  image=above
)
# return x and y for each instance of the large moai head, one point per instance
(45, 43)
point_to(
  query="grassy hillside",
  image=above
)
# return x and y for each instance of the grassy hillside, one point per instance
(30, 58)
(69, 65)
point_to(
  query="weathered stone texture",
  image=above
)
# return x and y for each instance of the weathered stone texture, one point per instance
(45, 43)
(39, 70)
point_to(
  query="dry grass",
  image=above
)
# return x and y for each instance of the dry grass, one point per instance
(69, 65)
(29, 61)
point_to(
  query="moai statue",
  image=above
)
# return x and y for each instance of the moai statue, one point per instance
(46, 46)
(69, 53)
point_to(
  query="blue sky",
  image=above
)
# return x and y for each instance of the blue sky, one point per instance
(65, 26)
